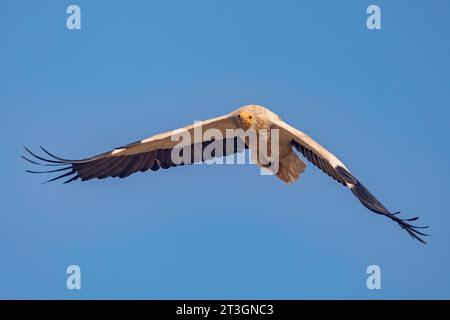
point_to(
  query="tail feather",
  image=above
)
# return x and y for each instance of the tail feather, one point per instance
(290, 168)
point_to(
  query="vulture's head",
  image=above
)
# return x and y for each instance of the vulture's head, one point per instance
(247, 118)
(255, 116)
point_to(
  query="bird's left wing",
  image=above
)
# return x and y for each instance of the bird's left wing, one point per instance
(333, 167)
(151, 153)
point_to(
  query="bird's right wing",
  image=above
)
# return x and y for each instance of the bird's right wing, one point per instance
(151, 153)
(332, 166)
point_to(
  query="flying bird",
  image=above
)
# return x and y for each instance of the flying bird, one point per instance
(156, 152)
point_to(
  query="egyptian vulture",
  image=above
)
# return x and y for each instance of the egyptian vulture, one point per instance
(157, 152)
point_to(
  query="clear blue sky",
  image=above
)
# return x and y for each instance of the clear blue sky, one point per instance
(379, 100)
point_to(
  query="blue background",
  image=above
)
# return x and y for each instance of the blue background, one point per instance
(378, 99)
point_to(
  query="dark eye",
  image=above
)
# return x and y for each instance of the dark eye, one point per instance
(250, 117)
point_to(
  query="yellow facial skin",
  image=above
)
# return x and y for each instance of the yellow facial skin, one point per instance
(246, 118)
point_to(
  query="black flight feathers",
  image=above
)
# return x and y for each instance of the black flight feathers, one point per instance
(69, 169)
(372, 203)
(97, 167)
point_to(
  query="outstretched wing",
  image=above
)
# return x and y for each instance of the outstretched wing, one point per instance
(333, 167)
(151, 153)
